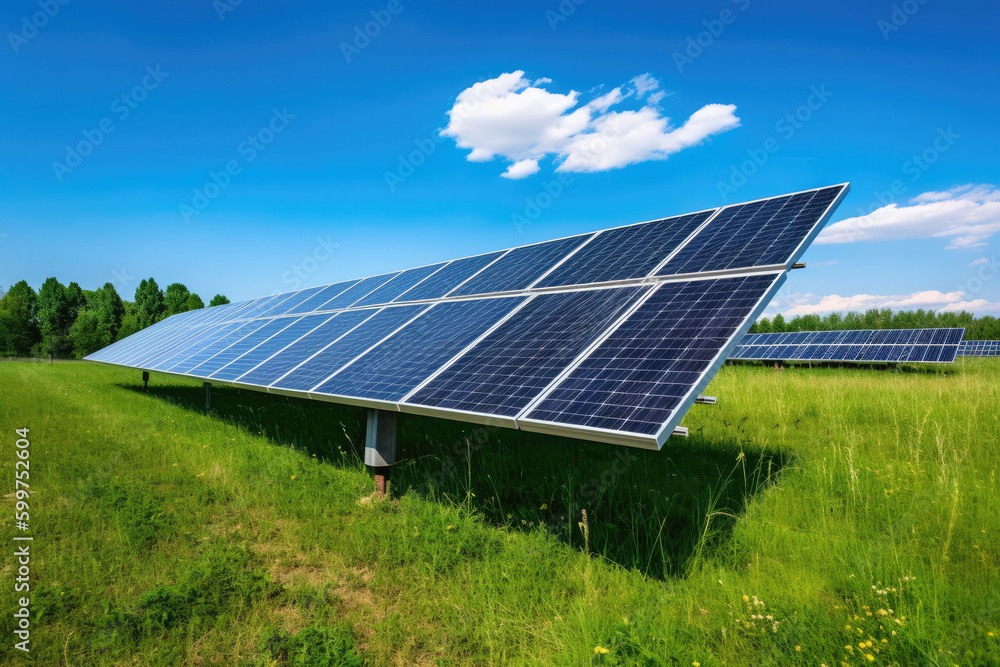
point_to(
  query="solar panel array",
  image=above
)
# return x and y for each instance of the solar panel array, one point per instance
(979, 348)
(862, 346)
(608, 336)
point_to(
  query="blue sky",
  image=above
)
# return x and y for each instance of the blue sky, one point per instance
(329, 161)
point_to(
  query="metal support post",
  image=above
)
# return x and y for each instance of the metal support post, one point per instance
(380, 446)
(208, 396)
(145, 379)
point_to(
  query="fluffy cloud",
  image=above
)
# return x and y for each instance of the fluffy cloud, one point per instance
(967, 214)
(518, 120)
(809, 304)
(977, 262)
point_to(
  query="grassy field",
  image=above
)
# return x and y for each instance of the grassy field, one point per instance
(815, 516)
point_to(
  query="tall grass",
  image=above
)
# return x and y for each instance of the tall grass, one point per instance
(812, 511)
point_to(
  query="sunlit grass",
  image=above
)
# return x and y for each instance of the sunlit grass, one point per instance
(815, 516)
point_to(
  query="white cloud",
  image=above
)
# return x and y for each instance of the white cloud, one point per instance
(644, 83)
(981, 260)
(520, 169)
(812, 304)
(515, 119)
(967, 214)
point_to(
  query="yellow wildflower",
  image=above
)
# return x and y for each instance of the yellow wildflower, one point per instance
(746, 599)
(293, 476)
(600, 650)
(544, 506)
(695, 664)
(869, 657)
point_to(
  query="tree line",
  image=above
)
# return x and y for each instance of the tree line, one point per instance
(976, 328)
(67, 321)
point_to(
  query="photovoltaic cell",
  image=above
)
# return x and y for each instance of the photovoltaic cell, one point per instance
(303, 348)
(513, 364)
(218, 344)
(520, 267)
(760, 233)
(865, 345)
(445, 280)
(241, 346)
(323, 296)
(164, 359)
(258, 355)
(635, 379)
(626, 252)
(979, 348)
(413, 353)
(397, 286)
(292, 302)
(337, 354)
(363, 287)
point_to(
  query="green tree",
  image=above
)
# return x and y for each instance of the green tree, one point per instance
(19, 332)
(97, 325)
(149, 303)
(194, 302)
(218, 300)
(130, 321)
(54, 310)
(176, 298)
(778, 324)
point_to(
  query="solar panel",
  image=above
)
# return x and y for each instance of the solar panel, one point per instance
(393, 368)
(607, 335)
(979, 348)
(514, 363)
(520, 267)
(864, 346)
(625, 252)
(654, 363)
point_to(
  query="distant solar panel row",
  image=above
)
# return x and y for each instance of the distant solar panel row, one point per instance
(979, 348)
(877, 346)
(608, 335)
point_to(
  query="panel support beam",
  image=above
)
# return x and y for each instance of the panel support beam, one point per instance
(706, 400)
(145, 379)
(380, 446)
(208, 396)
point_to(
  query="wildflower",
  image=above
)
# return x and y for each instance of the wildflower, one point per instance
(450, 527)
(293, 476)
(600, 650)
(544, 506)
(869, 657)
(695, 664)
(988, 634)
(798, 648)
(746, 599)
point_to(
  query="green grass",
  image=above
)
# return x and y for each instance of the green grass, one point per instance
(812, 509)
